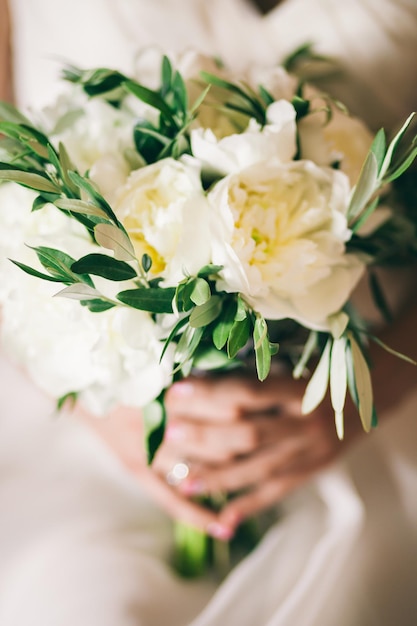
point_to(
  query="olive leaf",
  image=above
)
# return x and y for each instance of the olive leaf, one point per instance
(261, 347)
(363, 384)
(318, 383)
(154, 418)
(238, 336)
(105, 266)
(224, 324)
(308, 350)
(152, 299)
(112, 238)
(338, 382)
(365, 186)
(80, 206)
(28, 179)
(206, 313)
(200, 293)
(78, 291)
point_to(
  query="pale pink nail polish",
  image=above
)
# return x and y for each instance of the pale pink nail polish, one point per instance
(182, 389)
(218, 531)
(193, 487)
(174, 432)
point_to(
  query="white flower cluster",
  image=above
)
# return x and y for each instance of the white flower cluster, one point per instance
(275, 220)
(109, 358)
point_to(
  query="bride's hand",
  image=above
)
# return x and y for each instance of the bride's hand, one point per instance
(240, 435)
(121, 431)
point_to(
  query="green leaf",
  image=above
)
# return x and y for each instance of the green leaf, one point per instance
(242, 310)
(206, 313)
(33, 272)
(172, 335)
(188, 344)
(363, 384)
(258, 110)
(211, 359)
(113, 238)
(69, 398)
(378, 147)
(265, 95)
(239, 336)
(29, 136)
(146, 262)
(182, 300)
(154, 299)
(262, 349)
(80, 206)
(154, 418)
(180, 93)
(401, 167)
(56, 262)
(393, 146)
(105, 266)
(150, 97)
(38, 203)
(209, 270)
(317, 386)
(78, 291)
(166, 75)
(365, 186)
(224, 324)
(338, 382)
(201, 292)
(301, 106)
(350, 371)
(27, 179)
(96, 305)
(390, 350)
(183, 294)
(199, 100)
(95, 82)
(363, 218)
(67, 167)
(338, 324)
(9, 113)
(85, 185)
(308, 350)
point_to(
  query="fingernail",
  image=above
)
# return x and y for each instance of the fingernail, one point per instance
(218, 531)
(174, 432)
(233, 519)
(193, 487)
(182, 389)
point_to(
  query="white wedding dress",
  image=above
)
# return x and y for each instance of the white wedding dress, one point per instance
(80, 545)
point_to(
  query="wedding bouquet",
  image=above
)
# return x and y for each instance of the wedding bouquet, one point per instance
(189, 213)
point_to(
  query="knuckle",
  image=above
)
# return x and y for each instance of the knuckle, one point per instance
(250, 437)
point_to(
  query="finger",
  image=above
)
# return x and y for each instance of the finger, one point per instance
(219, 443)
(297, 444)
(262, 498)
(228, 398)
(242, 473)
(181, 508)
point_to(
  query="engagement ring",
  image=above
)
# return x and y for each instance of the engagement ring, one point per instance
(177, 473)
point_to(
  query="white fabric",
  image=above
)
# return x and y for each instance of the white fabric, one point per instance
(79, 544)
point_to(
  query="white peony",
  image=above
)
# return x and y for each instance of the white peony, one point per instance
(276, 140)
(279, 230)
(165, 212)
(344, 138)
(99, 130)
(110, 357)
